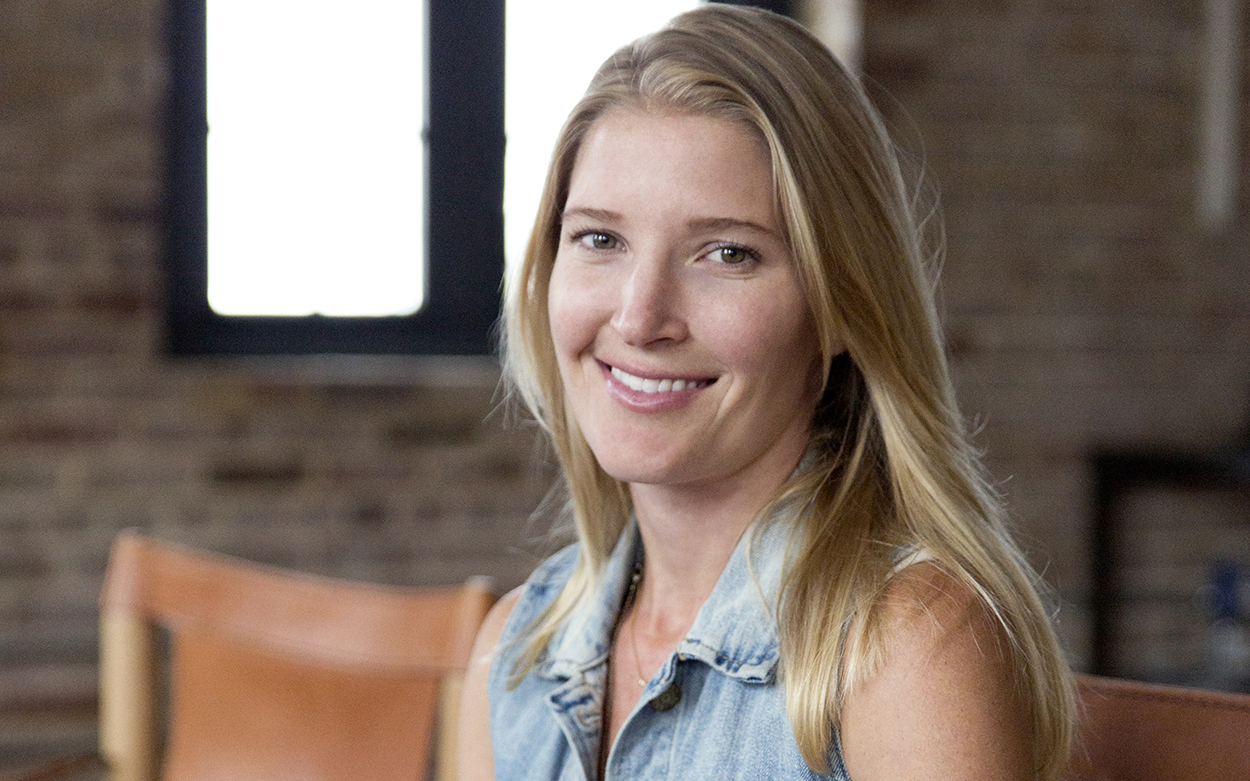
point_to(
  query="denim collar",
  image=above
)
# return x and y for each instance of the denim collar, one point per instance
(735, 632)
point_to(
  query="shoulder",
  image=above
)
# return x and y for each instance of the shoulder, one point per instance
(924, 602)
(474, 758)
(553, 573)
(943, 701)
(508, 616)
(543, 587)
(519, 607)
(493, 625)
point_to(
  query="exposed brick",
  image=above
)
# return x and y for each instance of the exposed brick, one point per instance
(58, 433)
(371, 396)
(247, 474)
(372, 514)
(902, 71)
(432, 432)
(118, 210)
(381, 470)
(23, 566)
(23, 301)
(117, 302)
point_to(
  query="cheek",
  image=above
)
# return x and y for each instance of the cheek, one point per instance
(805, 357)
(568, 311)
(764, 333)
(782, 349)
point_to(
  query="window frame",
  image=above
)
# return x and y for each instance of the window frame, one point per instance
(463, 220)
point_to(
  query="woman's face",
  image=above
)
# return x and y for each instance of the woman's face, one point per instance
(683, 339)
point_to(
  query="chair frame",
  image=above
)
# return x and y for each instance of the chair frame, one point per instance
(152, 584)
(1138, 731)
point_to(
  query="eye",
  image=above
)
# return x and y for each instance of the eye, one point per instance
(731, 254)
(596, 240)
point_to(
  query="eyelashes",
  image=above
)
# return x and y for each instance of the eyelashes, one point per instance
(597, 240)
(734, 254)
(722, 253)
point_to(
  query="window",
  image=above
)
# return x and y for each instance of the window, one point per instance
(459, 231)
(316, 163)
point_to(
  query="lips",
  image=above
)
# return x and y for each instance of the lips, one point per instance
(657, 384)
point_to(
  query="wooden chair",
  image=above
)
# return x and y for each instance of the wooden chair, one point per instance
(1146, 732)
(274, 674)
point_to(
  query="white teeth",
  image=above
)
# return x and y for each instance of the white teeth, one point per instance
(654, 386)
(630, 381)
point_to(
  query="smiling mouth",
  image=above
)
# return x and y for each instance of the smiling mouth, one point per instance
(650, 385)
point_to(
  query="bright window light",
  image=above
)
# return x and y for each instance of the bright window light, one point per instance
(552, 49)
(316, 163)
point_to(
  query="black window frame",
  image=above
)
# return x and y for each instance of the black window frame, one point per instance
(463, 217)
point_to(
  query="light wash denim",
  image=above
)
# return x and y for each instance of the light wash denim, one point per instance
(730, 722)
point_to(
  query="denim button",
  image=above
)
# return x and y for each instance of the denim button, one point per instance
(667, 698)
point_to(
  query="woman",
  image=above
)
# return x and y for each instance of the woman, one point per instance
(789, 564)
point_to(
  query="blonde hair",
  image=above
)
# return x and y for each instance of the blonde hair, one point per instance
(889, 463)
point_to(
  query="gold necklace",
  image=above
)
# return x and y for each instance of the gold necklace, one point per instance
(633, 641)
(670, 696)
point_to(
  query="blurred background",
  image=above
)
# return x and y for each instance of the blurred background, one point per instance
(1091, 161)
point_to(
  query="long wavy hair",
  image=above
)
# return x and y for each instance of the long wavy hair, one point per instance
(889, 462)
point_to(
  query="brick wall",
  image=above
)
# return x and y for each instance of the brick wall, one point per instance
(1085, 310)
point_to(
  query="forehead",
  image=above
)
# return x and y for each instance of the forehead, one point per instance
(704, 162)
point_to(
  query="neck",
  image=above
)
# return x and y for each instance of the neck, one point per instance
(689, 533)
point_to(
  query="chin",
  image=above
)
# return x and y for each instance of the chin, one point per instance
(630, 472)
(628, 468)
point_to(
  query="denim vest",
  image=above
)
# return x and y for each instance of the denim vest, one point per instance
(730, 721)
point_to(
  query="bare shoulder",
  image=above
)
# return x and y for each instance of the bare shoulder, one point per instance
(943, 702)
(926, 606)
(475, 760)
(492, 626)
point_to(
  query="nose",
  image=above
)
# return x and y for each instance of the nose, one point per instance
(649, 307)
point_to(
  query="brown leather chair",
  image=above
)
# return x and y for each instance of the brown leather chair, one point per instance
(1134, 731)
(274, 674)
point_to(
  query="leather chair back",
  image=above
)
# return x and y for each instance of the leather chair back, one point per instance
(275, 674)
(1135, 731)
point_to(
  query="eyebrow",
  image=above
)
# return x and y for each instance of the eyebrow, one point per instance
(602, 215)
(712, 224)
(728, 223)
